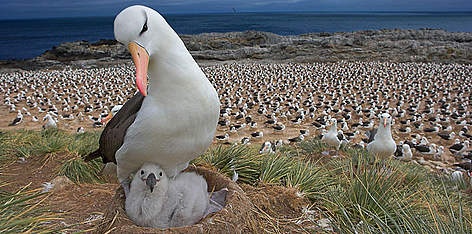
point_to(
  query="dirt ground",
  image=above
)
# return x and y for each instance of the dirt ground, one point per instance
(83, 207)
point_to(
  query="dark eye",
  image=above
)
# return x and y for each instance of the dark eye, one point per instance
(142, 172)
(160, 173)
(145, 28)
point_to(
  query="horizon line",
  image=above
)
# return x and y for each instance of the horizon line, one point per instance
(237, 12)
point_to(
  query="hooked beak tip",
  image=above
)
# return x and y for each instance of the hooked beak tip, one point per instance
(151, 181)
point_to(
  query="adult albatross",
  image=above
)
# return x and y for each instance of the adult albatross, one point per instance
(383, 145)
(174, 119)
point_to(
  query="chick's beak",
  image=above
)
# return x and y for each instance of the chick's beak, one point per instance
(141, 61)
(385, 122)
(151, 181)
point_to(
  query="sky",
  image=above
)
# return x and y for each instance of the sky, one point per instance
(18, 9)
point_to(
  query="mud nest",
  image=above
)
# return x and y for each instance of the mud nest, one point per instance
(237, 215)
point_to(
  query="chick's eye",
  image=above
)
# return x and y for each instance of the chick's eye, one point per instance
(160, 173)
(145, 28)
(142, 172)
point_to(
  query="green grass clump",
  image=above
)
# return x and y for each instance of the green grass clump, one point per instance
(392, 197)
(52, 141)
(358, 193)
(27, 144)
(84, 143)
(366, 197)
(228, 160)
(18, 143)
(22, 212)
(79, 171)
(449, 213)
(309, 179)
(275, 168)
(312, 146)
(279, 168)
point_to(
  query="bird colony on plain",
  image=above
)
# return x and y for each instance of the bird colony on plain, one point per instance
(430, 105)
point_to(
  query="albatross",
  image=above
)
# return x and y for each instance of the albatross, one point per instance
(331, 138)
(383, 145)
(169, 122)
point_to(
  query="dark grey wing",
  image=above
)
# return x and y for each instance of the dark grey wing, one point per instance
(466, 165)
(114, 133)
(15, 122)
(372, 134)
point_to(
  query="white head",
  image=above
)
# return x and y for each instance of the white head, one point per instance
(150, 178)
(334, 122)
(265, 147)
(146, 33)
(48, 117)
(385, 119)
(406, 147)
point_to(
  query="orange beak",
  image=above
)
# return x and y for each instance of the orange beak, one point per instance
(385, 123)
(141, 61)
(106, 119)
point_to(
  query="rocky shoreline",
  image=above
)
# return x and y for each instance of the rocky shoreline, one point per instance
(423, 45)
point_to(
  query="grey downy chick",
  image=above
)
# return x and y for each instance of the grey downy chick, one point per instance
(158, 201)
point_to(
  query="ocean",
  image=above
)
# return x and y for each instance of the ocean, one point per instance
(28, 38)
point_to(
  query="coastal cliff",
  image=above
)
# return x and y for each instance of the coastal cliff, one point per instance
(424, 45)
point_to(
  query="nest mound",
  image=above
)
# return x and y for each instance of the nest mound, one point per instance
(237, 215)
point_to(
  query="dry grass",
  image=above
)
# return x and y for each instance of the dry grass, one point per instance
(21, 211)
(356, 193)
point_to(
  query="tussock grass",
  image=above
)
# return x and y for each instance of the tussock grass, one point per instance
(310, 179)
(52, 141)
(274, 168)
(79, 171)
(28, 144)
(19, 143)
(84, 143)
(228, 160)
(365, 199)
(312, 146)
(358, 193)
(450, 214)
(393, 197)
(22, 212)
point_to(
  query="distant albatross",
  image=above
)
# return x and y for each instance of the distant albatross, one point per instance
(383, 145)
(173, 120)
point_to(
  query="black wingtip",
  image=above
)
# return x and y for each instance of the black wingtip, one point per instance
(95, 154)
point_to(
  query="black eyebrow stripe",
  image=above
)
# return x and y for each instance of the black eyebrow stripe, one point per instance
(145, 22)
(145, 15)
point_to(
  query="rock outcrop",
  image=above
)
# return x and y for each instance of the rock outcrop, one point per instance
(424, 45)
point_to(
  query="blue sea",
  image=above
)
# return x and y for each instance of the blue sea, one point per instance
(21, 39)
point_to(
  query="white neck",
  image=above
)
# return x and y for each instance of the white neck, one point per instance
(333, 128)
(384, 132)
(173, 72)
